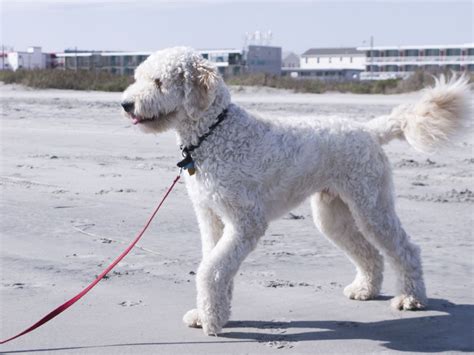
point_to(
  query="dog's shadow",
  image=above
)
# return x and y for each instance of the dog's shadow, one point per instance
(452, 331)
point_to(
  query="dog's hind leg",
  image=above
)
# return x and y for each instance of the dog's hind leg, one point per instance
(333, 218)
(372, 205)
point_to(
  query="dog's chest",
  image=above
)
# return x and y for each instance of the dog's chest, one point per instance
(203, 190)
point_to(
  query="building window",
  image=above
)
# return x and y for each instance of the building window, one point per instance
(411, 53)
(350, 59)
(330, 60)
(410, 68)
(432, 67)
(431, 52)
(456, 67)
(317, 59)
(115, 60)
(453, 52)
(340, 59)
(234, 58)
(306, 60)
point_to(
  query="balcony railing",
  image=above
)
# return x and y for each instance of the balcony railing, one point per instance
(399, 59)
(383, 75)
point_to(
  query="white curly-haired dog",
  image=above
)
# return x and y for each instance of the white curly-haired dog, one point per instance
(250, 171)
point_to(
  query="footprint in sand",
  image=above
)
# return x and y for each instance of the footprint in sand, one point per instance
(130, 303)
(276, 337)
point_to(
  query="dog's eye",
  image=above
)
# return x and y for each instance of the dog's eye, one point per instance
(158, 83)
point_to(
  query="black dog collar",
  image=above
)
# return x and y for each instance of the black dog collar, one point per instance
(188, 163)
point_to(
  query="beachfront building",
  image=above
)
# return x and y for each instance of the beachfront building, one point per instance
(125, 63)
(263, 59)
(387, 62)
(113, 62)
(344, 63)
(228, 61)
(290, 60)
(32, 58)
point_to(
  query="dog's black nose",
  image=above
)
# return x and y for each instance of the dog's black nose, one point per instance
(128, 106)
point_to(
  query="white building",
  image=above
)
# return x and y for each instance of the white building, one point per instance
(33, 58)
(229, 61)
(388, 62)
(333, 58)
(329, 64)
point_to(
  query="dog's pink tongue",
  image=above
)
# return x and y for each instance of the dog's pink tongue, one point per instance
(135, 120)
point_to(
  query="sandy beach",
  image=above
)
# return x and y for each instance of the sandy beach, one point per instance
(78, 181)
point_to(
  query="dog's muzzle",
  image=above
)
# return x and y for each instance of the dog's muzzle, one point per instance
(128, 106)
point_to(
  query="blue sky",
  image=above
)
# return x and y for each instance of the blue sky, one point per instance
(296, 25)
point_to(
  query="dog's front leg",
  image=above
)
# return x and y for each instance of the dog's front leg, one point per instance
(211, 228)
(216, 272)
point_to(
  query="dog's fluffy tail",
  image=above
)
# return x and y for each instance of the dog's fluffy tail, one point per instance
(430, 121)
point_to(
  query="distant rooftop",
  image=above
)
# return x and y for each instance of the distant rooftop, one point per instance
(84, 53)
(424, 46)
(72, 50)
(330, 51)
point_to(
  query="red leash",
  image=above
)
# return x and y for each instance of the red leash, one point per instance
(76, 298)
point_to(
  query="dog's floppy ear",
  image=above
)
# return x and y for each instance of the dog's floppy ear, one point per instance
(200, 84)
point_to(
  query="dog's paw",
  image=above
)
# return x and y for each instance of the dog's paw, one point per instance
(407, 303)
(213, 322)
(211, 328)
(360, 291)
(191, 319)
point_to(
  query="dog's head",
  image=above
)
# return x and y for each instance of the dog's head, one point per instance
(170, 85)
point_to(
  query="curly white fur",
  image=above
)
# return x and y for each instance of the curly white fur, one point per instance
(432, 120)
(251, 171)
